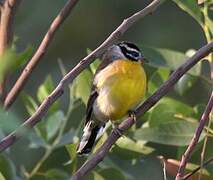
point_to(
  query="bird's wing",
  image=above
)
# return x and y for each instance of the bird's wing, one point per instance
(94, 92)
(91, 100)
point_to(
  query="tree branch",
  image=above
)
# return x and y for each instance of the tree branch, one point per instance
(6, 31)
(72, 74)
(195, 139)
(8, 9)
(187, 176)
(14, 92)
(151, 101)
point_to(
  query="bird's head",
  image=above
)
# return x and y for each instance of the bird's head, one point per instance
(125, 50)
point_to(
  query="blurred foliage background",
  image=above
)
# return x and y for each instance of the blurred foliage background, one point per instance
(166, 37)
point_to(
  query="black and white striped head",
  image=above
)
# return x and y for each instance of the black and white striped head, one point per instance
(124, 50)
(130, 51)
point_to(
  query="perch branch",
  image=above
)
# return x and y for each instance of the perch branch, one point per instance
(72, 74)
(40, 52)
(151, 101)
(195, 139)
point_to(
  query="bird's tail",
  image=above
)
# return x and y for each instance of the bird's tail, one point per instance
(91, 131)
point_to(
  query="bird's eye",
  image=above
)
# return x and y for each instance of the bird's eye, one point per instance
(130, 50)
(135, 54)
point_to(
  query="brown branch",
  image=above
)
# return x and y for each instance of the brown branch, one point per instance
(71, 75)
(151, 101)
(14, 92)
(187, 176)
(6, 31)
(195, 139)
(8, 9)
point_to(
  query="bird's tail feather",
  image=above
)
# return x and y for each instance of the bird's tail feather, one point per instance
(91, 131)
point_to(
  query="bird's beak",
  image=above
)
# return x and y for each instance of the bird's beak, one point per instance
(145, 60)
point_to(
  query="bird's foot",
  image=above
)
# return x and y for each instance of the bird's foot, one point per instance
(132, 114)
(116, 129)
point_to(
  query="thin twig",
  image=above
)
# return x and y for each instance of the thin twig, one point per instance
(207, 33)
(164, 170)
(38, 165)
(198, 168)
(163, 162)
(195, 139)
(151, 101)
(8, 9)
(72, 74)
(202, 154)
(14, 92)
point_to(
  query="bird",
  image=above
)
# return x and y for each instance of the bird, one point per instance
(119, 86)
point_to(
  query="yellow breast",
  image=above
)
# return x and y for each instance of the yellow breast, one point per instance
(121, 87)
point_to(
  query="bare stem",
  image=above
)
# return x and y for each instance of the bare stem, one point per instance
(6, 31)
(47, 153)
(195, 139)
(210, 58)
(8, 9)
(42, 49)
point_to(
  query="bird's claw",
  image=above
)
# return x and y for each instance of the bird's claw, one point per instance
(132, 114)
(116, 129)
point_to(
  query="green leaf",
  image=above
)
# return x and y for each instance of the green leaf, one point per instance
(36, 141)
(166, 110)
(67, 138)
(21, 58)
(130, 148)
(40, 130)
(72, 97)
(97, 176)
(185, 83)
(112, 174)
(29, 103)
(53, 123)
(170, 133)
(94, 65)
(157, 79)
(8, 121)
(192, 8)
(11, 61)
(209, 24)
(140, 168)
(71, 149)
(44, 90)
(2, 177)
(62, 67)
(7, 168)
(82, 86)
(7, 60)
(190, 167)
(100, 142)
(160, 57)
(56, 174)
(199, 109)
